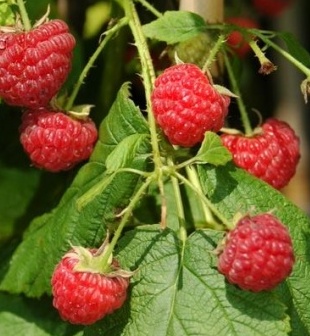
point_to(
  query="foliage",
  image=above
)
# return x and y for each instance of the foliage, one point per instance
(167, 207)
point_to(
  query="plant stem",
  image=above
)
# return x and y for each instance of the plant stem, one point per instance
(286, 55)
(126, 214)
(24, 15)
(150, 8)
(179, 205)
(206, 202)
(213, 52)
(148, 75)
(244, 116)
(108, 35)
(193, 178)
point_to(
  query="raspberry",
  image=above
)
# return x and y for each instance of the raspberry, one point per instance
(271, 154)
(86, 296)
(236, 39)
(271, 8)
(186, 104)
(35, 64)
(257, 254)
(54, 141)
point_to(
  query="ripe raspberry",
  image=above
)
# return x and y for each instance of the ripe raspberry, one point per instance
(86, 296)
(236, 39)
(271, 8)
(35, 64)
(54, 141)
(258, 253)
(186, 105)
(271, 154)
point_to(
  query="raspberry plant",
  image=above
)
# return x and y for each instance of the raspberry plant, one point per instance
(160, 210)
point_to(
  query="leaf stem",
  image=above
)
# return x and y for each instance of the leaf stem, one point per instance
(213, 52)
(108, 35)
(149, 7)
(148, 75)
(235, 88)
(24, 15)
(126, 214)
(193, 178)
(285, 54)
(206, 201)
(179, 205)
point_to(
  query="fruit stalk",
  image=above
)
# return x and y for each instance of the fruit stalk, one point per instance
(150, 8)
(24, 15)
(179, 206)
(126, 213)
(108, 35)
(244, 116)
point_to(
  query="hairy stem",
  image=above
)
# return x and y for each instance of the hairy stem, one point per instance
(148, 75)
(24, 15)
(150, 8)
(126, 215)
(108, 35)
(285, 54)
(242, 109)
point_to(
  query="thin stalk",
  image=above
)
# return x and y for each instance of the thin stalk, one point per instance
(193, 178)
(126, 214)
(108, 35)
(235, 88)
(150, 8)
(213, 52)
(206, 201)
(179, 205)
(266, 66)
(24, 15)
(286, 55)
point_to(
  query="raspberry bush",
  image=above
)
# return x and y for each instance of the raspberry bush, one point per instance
(126, 230)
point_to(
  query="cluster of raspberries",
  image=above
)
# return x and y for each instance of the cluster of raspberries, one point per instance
(186, 104)
(34, 65)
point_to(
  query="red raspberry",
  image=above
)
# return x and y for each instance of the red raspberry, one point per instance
(54, 141)
(86, 296)
(236, 39)
(272, 8)
(35, 64)
(258, 253)
(186, 104)
(271, 154)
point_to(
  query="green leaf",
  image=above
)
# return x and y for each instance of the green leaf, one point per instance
(49, 236)
(125, 152)
(21, 317)
(212, 150)
(16, 190)
(175, 26)
(295, 48)
(233, 190)
(177, 291)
